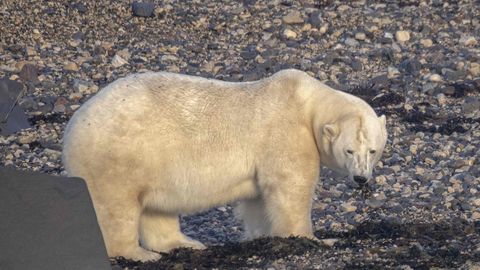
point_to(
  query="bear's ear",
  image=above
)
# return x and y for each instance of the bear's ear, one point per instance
(383, 120)
(330, 131)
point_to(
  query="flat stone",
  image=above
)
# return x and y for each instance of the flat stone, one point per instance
(375, 203)
(141, 9)
(118, 61)
(471, 105)
(12, 116)
(29, 73)
(293, 17)
(70, 66)
(426, 42)
(351, 42)
(84, 87)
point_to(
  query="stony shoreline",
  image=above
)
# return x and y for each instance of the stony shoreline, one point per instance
(418, 62)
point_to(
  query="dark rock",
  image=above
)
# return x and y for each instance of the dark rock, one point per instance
(80, 7)
(330, 58)
(29, 73)
(49, 11)
(316, 19)
(78, 36)
(12, 117)
(385, 40)
(411, 66)
(249, 53)
(471, 105)
(380, 81)
(28, 103)
(140, 9)
(447, 90)
(453, 75)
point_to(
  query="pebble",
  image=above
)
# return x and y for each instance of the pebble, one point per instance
(289, 34)
(351, 42)
(293, 17)
(476, 215)
(348, 207)
(143, 9)
(402, 36)
(324, 28)
(118, 61)
(442, 99)
(70, 66)
(360, 36)
(29, 73)
(316, 19)
(392, 72)
(468, 41)
(27, 138)
(474, 69)
(329, 242)
(84, 87)
(471, 105)
(30, 51)
(435, 78)
(426, 42)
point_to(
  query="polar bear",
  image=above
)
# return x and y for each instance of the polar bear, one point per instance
(152, 146)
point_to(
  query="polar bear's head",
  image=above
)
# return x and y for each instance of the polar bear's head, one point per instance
(354, 145)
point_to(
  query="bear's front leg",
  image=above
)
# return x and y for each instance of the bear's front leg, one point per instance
(288, 200)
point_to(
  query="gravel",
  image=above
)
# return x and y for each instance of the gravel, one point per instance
(415, 61)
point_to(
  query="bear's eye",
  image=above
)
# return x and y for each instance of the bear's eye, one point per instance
(372, 152)
(350, 152)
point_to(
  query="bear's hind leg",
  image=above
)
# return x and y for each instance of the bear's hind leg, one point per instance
(161, 232)
(255, 220)
(119, 224)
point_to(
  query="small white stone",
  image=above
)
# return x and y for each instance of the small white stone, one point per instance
(360, 36)
(435, 78)
(402, 36)
(290, 34)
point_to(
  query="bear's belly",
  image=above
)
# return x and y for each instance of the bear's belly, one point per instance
(195, 194)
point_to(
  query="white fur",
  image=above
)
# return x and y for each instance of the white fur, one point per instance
(154, 145)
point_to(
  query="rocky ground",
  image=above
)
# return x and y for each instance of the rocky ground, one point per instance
(418, 62)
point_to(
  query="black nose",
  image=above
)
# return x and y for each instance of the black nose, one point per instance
(360, 179)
